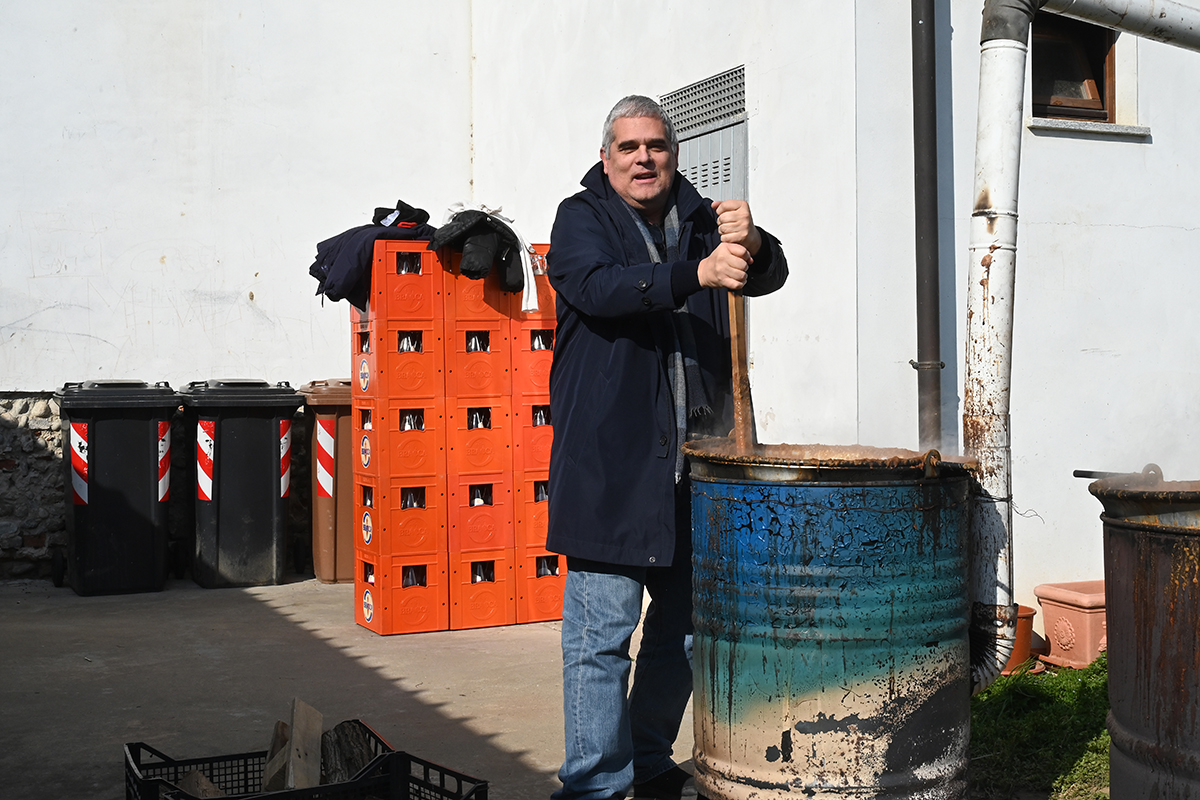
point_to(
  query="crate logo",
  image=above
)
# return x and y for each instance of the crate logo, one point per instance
(164, 461)
(481, 528)
(540, 372)
(364, 451)
(478, 373)
(414, 610)
(479, 450)
(206, 448)
(79, 463)
(368, 605)
(367, 530)
(472, 295)
(411, 454)
(409, 297)
(414, 533)
(539, 447)
(547, 598)
(326, 456)
(285, 457)
(483, 605)
(411, 376)
(364, 374)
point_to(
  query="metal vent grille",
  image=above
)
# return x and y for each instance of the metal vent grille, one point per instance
(710, 174)
(708, 104)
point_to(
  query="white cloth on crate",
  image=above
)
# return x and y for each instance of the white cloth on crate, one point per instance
(529, 298)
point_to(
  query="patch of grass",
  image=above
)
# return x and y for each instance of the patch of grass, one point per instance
(1042, 735)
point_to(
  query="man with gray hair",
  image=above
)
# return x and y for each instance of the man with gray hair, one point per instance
(643, 267)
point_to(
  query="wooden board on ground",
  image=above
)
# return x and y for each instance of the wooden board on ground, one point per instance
(275, 771)
(304, 746)
(197, 784)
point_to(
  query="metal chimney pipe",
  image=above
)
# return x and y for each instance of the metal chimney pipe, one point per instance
(991, 279)
(1165, 21)
(925, 184)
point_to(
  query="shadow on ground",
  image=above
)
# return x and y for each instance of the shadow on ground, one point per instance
(197, 673)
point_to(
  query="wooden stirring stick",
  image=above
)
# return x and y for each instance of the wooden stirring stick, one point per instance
(743, 412)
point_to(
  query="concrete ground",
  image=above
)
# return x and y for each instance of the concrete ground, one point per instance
(199, 672)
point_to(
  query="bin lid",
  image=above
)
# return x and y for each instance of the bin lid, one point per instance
(240, 392)
(117, 394)
(329, 392)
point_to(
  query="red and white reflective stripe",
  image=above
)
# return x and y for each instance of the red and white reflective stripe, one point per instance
(285, 457)
(326, 430)
(164, 461)
(79, 463)
(206, 430)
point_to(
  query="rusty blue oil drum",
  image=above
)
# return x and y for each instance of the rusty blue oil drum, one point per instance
(1152, 599)
(830, 651)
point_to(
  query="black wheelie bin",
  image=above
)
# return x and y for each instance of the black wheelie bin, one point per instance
(117, 481)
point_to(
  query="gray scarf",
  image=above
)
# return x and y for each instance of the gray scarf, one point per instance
(683, 367)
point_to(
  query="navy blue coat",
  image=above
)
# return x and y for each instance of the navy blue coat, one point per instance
(612, 466)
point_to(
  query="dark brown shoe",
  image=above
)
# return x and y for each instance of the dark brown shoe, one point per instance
(673, 784)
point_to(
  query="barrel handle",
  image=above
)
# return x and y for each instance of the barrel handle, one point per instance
(932, 459)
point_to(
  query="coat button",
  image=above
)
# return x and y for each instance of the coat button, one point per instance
(645, 301)
(662, 440)
(651, 559)
(642, 285)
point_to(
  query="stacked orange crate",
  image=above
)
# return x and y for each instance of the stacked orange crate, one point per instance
(399, 422)
(540, 573)
(480, 429)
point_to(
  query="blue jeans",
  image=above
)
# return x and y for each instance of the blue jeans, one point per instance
(614, 739)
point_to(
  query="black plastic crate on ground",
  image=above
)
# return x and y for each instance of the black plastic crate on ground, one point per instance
(391, 775)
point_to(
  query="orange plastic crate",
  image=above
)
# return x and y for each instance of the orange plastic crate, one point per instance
(532, 355)
(401, 594)
(417, 515)
(482, 589)
(402, 358)
(407, 282)
(533, 433)
(479, 435)
(532, 507)
(468, 299)
(409, 517)
(399, 436)
(478, 358)
(480, 511)
(541, 576)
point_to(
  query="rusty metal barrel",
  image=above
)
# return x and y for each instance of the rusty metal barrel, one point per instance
(1152, 594)
(830, 650)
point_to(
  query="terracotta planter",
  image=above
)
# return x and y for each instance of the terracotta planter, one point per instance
(1075, 622)
(1021, 648)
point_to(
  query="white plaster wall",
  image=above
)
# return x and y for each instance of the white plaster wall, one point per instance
(543, 88)
(162, 162)
(1109, 343)
(1105, 348)
(885, 219)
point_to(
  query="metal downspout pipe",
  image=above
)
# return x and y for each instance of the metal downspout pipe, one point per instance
(991, 280)
(925, 186)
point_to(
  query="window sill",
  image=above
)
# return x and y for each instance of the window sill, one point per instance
(1106, 130)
